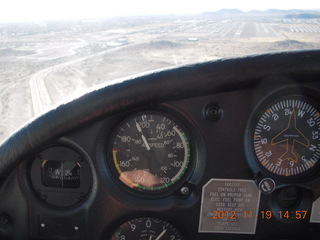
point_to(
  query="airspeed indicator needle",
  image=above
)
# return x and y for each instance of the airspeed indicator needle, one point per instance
(142, 136)
(145, 142)
(138, 126)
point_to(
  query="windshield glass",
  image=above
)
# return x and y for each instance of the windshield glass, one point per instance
(50, 50)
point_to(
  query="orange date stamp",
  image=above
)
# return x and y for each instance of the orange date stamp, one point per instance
(233, 215)
(264, 215)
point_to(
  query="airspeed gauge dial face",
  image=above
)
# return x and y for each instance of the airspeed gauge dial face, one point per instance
(286, 136)
(150, 152)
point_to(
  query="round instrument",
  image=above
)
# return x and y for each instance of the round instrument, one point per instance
(150, 151)
(146, 229)
(60, 175)
(286, 136)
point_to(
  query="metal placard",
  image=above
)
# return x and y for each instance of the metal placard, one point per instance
(229, 206)
(315, 212)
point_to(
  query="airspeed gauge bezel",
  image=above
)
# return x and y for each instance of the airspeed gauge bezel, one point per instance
(171, 121)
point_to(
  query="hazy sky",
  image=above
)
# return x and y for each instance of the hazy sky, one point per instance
(38, 10)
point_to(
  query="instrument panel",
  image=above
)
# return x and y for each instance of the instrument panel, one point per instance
(220, 164)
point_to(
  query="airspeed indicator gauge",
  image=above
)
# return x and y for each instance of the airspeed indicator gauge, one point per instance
(285, 136)
(150, 151)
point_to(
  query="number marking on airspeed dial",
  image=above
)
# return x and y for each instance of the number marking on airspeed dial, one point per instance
(286, 136)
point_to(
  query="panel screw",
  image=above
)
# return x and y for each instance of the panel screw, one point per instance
(213, 112)
(185, 191)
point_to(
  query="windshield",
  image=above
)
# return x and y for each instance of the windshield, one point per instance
(50, 50)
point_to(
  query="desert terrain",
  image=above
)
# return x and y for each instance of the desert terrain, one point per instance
(43, 63)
